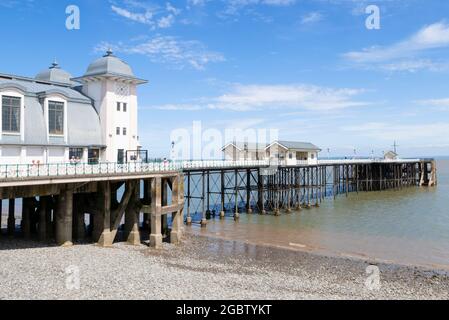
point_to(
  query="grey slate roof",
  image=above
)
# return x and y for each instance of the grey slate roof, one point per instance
(34, 87)
(83, 123)
(250, 146)
(298, 145)
(55, 74)
(109, 64)
(294, 145)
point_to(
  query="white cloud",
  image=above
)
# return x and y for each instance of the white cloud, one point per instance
(263, 97)
(233, 7)
(145, 18)
(176, 107)
(155, 17)
(441, 104)
(166, 22)
(401, 56)
(196, 2)
(170, 50)
(17, 4)
(311, 17)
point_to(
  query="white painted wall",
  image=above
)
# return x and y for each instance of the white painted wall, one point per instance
(11, 155)
(57, 155)
(106, 93)
(35, 154)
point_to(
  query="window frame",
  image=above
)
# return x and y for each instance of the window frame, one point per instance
(124, 131)
(76, 151)
(59, 104)
(20, 116)
(117, 131)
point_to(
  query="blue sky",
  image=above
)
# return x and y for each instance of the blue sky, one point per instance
(309, 68)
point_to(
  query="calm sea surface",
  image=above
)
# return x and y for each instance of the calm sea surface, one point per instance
(409, 226)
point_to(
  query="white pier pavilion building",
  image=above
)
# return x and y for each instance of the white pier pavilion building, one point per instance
(55, 118)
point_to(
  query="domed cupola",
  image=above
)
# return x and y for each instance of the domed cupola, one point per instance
(55, 74)
(111, 65)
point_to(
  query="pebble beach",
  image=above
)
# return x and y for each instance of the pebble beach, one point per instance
(202, 268)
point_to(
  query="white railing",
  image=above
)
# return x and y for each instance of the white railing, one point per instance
(365, 161)
(23, 171)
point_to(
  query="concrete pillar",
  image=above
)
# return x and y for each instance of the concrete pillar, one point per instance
(164, 218)
(156, 208)
(48, 217)
(79, 226)
(11, 217)
(146, 201)
(433, 174)
(26, 217)
(1, 214)
(132, 214)
(64, 218)
(176, 232)
(42, 226)
(106, 236)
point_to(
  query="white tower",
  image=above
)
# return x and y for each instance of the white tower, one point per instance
(111, 83)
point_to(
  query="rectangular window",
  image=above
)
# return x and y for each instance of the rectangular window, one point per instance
(75, 153)
(11, 114)
(124, 131)
(125, 107)
(56, 117)
(94, 156)
(118, 106)
(117, 131)
(120, 156)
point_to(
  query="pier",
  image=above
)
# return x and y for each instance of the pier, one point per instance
(134, 202)
(220, 189)
(68, 203)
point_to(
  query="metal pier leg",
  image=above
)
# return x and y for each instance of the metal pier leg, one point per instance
(203, 202)
(208, 211)
(222, 193)
(189, 217)
(289, 190)
(236, 213)
(248, 192)
(276, 186)
(261, 191)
